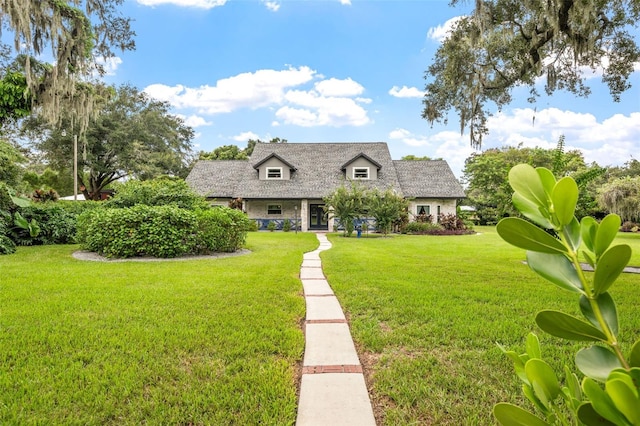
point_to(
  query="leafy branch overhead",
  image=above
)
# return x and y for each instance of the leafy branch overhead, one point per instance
(79, 34)
(504, 44)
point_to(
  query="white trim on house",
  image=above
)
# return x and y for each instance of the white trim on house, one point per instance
(274, 173)
(361, 171)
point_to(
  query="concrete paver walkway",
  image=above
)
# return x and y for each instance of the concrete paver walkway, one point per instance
(332, 390)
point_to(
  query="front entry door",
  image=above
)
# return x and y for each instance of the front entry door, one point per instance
(317, 219)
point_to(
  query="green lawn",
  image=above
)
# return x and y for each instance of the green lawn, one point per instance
(219, 341)
(426, 313)
(188, 342)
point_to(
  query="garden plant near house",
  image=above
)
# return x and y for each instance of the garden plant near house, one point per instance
(556, 244)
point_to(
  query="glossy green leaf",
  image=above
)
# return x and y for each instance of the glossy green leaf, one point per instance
(590, 260)
(589, 229)
(557, 269)
(512, 415)
(607, 231)
(518, 363)
(525, 235)
(530, 210)
(630, 377)
(527, 390)
(573, 385)
(610, 266)
(634, 357)
(602, 403)
(597, 362)
(625, 398)
(565, 198)
(572, 234)
(590, 417)
(543, 379)
(607, 308)
(526, 181)
(533, 346)
(567, 327)
(547, 179)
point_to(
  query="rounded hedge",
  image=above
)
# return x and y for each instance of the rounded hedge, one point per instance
(161, 231)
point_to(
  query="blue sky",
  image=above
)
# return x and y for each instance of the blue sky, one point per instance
(340, 71)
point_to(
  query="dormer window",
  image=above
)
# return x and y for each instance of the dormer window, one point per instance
(361, 173)
(274, 172)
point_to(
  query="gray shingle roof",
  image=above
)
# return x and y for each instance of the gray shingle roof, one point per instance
(427, 179)
(318, 173)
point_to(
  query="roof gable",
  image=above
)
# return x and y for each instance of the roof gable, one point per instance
(361, 155)
(276, 156)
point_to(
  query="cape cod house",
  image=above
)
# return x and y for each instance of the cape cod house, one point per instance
(289, 180)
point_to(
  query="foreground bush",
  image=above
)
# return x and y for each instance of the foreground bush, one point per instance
(156, 192)
(161, 231)
(221, 229)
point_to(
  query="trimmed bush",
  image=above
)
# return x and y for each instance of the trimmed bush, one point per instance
(221, 229)
(156, 192)
(159, 231)
(422, 228)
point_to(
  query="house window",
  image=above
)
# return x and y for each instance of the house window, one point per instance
(274, 209)
(424, 210)
(274, 172)
(361, 173)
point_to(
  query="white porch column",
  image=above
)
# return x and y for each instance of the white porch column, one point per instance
(304, 215)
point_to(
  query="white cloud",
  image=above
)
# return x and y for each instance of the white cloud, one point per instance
(330, 102)
(194, 121)
(200, 4)
(336, 87)
(611, 141)
(110, 65)
(346, 2)
(399, 134)
(408, 138)
(406, 92)
(247, 90)
(441, 32)
(273, 6)
(318, 110)
(245, 136)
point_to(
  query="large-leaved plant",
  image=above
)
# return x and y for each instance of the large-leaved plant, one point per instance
(557, 247)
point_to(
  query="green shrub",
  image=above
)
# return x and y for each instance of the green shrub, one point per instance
(7, 246)
(286, 225)
(271, 226)
(159, 231)
(57, 226)
(156, 192)
(77, 207)
(221, 229)
(421, 227)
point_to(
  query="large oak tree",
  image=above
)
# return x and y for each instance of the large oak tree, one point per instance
(504, 44)
(132, 136)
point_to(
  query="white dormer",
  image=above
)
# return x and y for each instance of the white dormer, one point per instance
(274, 167)
(361, 167)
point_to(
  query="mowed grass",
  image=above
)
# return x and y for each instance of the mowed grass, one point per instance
(427, 313)
(186, 342)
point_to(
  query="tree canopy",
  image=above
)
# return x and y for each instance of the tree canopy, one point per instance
(504, 44)
(133, 136)
(486, 177)
(233, 152)
(622, 197)
(79, 34)
(10, 163)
